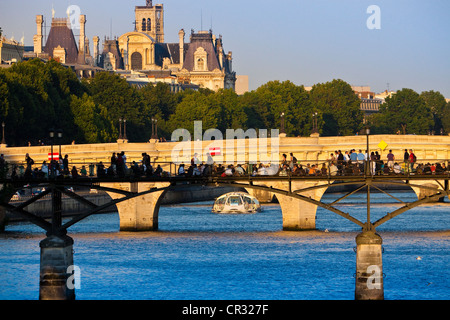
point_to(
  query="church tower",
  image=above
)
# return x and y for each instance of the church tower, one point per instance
(150, 20)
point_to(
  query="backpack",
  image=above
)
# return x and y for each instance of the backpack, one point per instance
(414, 158)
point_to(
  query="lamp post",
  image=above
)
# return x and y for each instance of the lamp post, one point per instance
(124, 129)
(120, 128)
(60, 134)
(282, 130)
(154, 128)
(315, 126)
(51, 134)
(3, 135)
(367, 149)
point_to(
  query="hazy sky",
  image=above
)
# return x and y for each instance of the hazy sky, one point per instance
(307, 42)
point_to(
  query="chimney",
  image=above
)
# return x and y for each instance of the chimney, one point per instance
(82, 32)
(181, 38)
(37, 39)
(96, 50)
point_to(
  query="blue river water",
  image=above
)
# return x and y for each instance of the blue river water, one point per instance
(198, 255)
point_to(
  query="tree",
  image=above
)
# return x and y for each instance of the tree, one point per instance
(121, 101)
(338, 106)
(446, 118)
(265, 105)
(91, 121)
(405, 111)
(436, 102)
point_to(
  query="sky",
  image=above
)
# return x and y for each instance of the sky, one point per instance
(305, 42)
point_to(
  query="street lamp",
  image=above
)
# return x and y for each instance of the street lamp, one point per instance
(60, 134)
(120, 128)
(51, 133)
(125, 129)
(315, 126)
(282, 123)
(154, 128)
(367, 149)
(3, 136)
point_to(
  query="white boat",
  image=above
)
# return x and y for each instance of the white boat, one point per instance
(236, 202)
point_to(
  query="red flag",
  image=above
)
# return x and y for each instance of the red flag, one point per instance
(214, 151)
(55, 156)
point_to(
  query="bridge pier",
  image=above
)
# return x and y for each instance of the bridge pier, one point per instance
(369, 267)
(56, 258)
(140, 213)
(298, 215)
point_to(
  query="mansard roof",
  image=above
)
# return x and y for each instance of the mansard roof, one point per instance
(61, 35)
(204, 40)
(168, 50)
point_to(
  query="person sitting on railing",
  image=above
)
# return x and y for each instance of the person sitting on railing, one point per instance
(439, 168)
(427, 168)
(313, 171)
(181, 172)
(239, 170)
(284, 170)
(135, 169)
(355, 168)
(74, 172)
(333, 169)
(83, 171)
(348, 169)
(101, 170)
(397, 168)
(195, 171)
(207, 171)
(433, 168)
(158, 171)
(44, 169)
(324, 169)
(218, 170)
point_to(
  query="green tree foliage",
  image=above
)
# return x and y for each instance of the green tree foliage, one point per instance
(446, 119)
(435, 101)
(338, 106)
(265, 105)
(38, 98)
(91, 120)
(405, 112)
(35, 96)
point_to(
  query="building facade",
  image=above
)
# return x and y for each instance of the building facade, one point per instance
(201, 62)
(10, 50)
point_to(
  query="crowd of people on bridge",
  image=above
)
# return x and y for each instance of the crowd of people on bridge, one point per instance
(348, 163)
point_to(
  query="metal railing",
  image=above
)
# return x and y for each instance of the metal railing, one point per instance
(302, 168)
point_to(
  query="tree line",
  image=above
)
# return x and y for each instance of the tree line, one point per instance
(36, 96)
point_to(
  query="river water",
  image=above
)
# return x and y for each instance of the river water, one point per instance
(198, 255)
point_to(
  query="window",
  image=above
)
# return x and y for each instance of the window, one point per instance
(200, 64)
(149, 24)
(144, 26)
(200, 60)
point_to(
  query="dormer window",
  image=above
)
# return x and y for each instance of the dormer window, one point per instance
(200, 60)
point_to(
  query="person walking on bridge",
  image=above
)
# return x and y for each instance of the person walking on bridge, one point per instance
(390, 160)
(412, 159)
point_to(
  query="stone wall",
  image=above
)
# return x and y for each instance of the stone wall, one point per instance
(304, 149)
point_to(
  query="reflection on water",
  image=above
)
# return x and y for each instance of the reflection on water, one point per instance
(198, 255)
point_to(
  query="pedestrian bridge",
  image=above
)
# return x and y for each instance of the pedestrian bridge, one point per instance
(138, 196)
